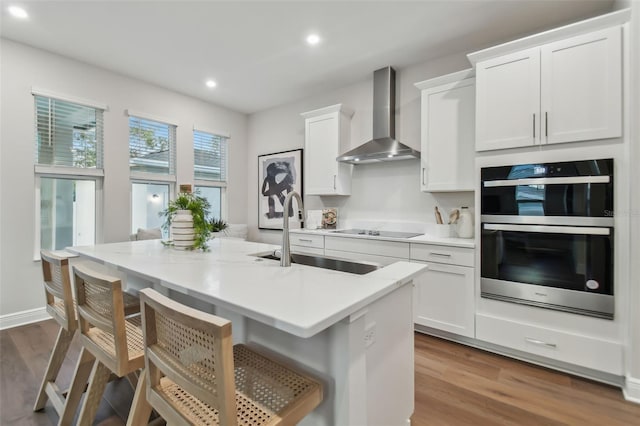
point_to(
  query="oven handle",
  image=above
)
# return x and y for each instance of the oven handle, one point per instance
(547, 181)
(577, 230)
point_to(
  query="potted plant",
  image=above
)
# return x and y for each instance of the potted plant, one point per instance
(178, 210)
(217, 226)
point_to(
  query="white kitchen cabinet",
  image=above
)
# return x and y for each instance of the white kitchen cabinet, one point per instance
(326, 137)
(564, 91)
(447, 121)
(444, 298)
(306, 243)
(577, 349)
(444, 295)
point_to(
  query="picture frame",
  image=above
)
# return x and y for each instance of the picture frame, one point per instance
(278, 174)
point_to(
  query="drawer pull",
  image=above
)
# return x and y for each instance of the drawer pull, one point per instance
(433, 253)
(540, 343)
(305, 240)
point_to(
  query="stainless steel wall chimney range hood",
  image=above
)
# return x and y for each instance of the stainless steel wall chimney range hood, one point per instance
(383, 146)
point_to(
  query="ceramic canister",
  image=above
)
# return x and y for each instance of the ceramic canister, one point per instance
(465, 223)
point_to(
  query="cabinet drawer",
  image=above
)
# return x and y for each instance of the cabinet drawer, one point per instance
(360, 257)
(442, 254)
(572, 348)
(366, 246)
(307, 240)
(307, 250)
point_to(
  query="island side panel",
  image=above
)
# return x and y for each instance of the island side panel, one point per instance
(365, 384)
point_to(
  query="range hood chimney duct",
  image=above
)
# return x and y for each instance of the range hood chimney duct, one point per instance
(383, 146)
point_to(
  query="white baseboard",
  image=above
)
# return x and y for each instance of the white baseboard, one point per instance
(631, 389)
(23, 317)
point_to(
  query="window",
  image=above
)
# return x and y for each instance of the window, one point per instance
(67, 134)
(214, 197)
(151, 146)
(68, 170)
(67, 212)
(147, 201)
(209, 156)
(210, 169)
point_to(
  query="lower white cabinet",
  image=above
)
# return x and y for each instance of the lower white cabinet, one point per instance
(577, 349)
(444, 298)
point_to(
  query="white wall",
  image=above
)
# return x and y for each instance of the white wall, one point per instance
(385, 191)
(23, 67)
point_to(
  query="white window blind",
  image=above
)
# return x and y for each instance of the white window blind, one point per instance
(152, 146)
(210, 156)
(67, 134)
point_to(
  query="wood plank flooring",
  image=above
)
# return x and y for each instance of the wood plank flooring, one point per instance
(455, 385)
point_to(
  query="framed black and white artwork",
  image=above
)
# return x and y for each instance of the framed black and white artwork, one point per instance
(278, 174)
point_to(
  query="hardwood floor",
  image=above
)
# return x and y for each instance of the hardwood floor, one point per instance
(459, 385)
(455, 385)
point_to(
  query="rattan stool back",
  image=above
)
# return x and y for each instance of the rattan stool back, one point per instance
(194, 374)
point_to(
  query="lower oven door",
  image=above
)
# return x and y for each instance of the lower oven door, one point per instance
(568, 268)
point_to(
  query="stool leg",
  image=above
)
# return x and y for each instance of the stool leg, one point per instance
(140, 408)
(55, 362)
(80, 377)
(97, 382)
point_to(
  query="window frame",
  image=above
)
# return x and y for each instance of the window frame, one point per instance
(211, 183)
(173, 147)
(70, 173)
(172, 193)
(224, 214)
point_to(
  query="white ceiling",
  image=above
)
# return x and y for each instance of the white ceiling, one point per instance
(256, 50)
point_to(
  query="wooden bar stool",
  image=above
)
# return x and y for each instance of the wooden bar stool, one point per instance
(111, 337)
(57, 289)
(194, 375)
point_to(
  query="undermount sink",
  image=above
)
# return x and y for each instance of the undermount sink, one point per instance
(342, 265)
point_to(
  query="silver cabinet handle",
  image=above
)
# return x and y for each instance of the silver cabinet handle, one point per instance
(423, 173)
(534, 126)
(546, 124)
(433, 253)
(540, 343)
(305, 240)
(334, 181)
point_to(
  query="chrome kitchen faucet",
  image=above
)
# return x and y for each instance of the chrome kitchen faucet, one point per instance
(285, 258)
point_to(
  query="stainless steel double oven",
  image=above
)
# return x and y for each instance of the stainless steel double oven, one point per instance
(547, 235)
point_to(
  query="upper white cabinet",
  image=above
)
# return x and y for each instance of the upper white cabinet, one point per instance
(326, 137)
(564, 91)
(448, 132)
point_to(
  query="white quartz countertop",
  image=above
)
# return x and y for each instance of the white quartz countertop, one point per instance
(421, 239)
(301, 300)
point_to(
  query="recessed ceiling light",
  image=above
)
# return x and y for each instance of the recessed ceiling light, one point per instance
(211, 84)
(18, 12)
(313, 39)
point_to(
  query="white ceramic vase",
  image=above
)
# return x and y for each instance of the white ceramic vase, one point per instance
(465, 223)
(182, 231)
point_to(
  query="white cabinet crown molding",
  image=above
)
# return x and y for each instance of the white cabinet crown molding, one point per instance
(328, 110)
(446, 79)
(597, 23)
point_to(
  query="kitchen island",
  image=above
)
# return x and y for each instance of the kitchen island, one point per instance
(354, 332)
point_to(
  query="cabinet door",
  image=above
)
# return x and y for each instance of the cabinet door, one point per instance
(321, 150)
(448, 135)
(581, 80)
(444, 299)
(508, 101)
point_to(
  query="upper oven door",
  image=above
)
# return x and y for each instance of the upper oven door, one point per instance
(552, 194)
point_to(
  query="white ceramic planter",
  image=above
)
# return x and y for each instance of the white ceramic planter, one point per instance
(182, 231)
